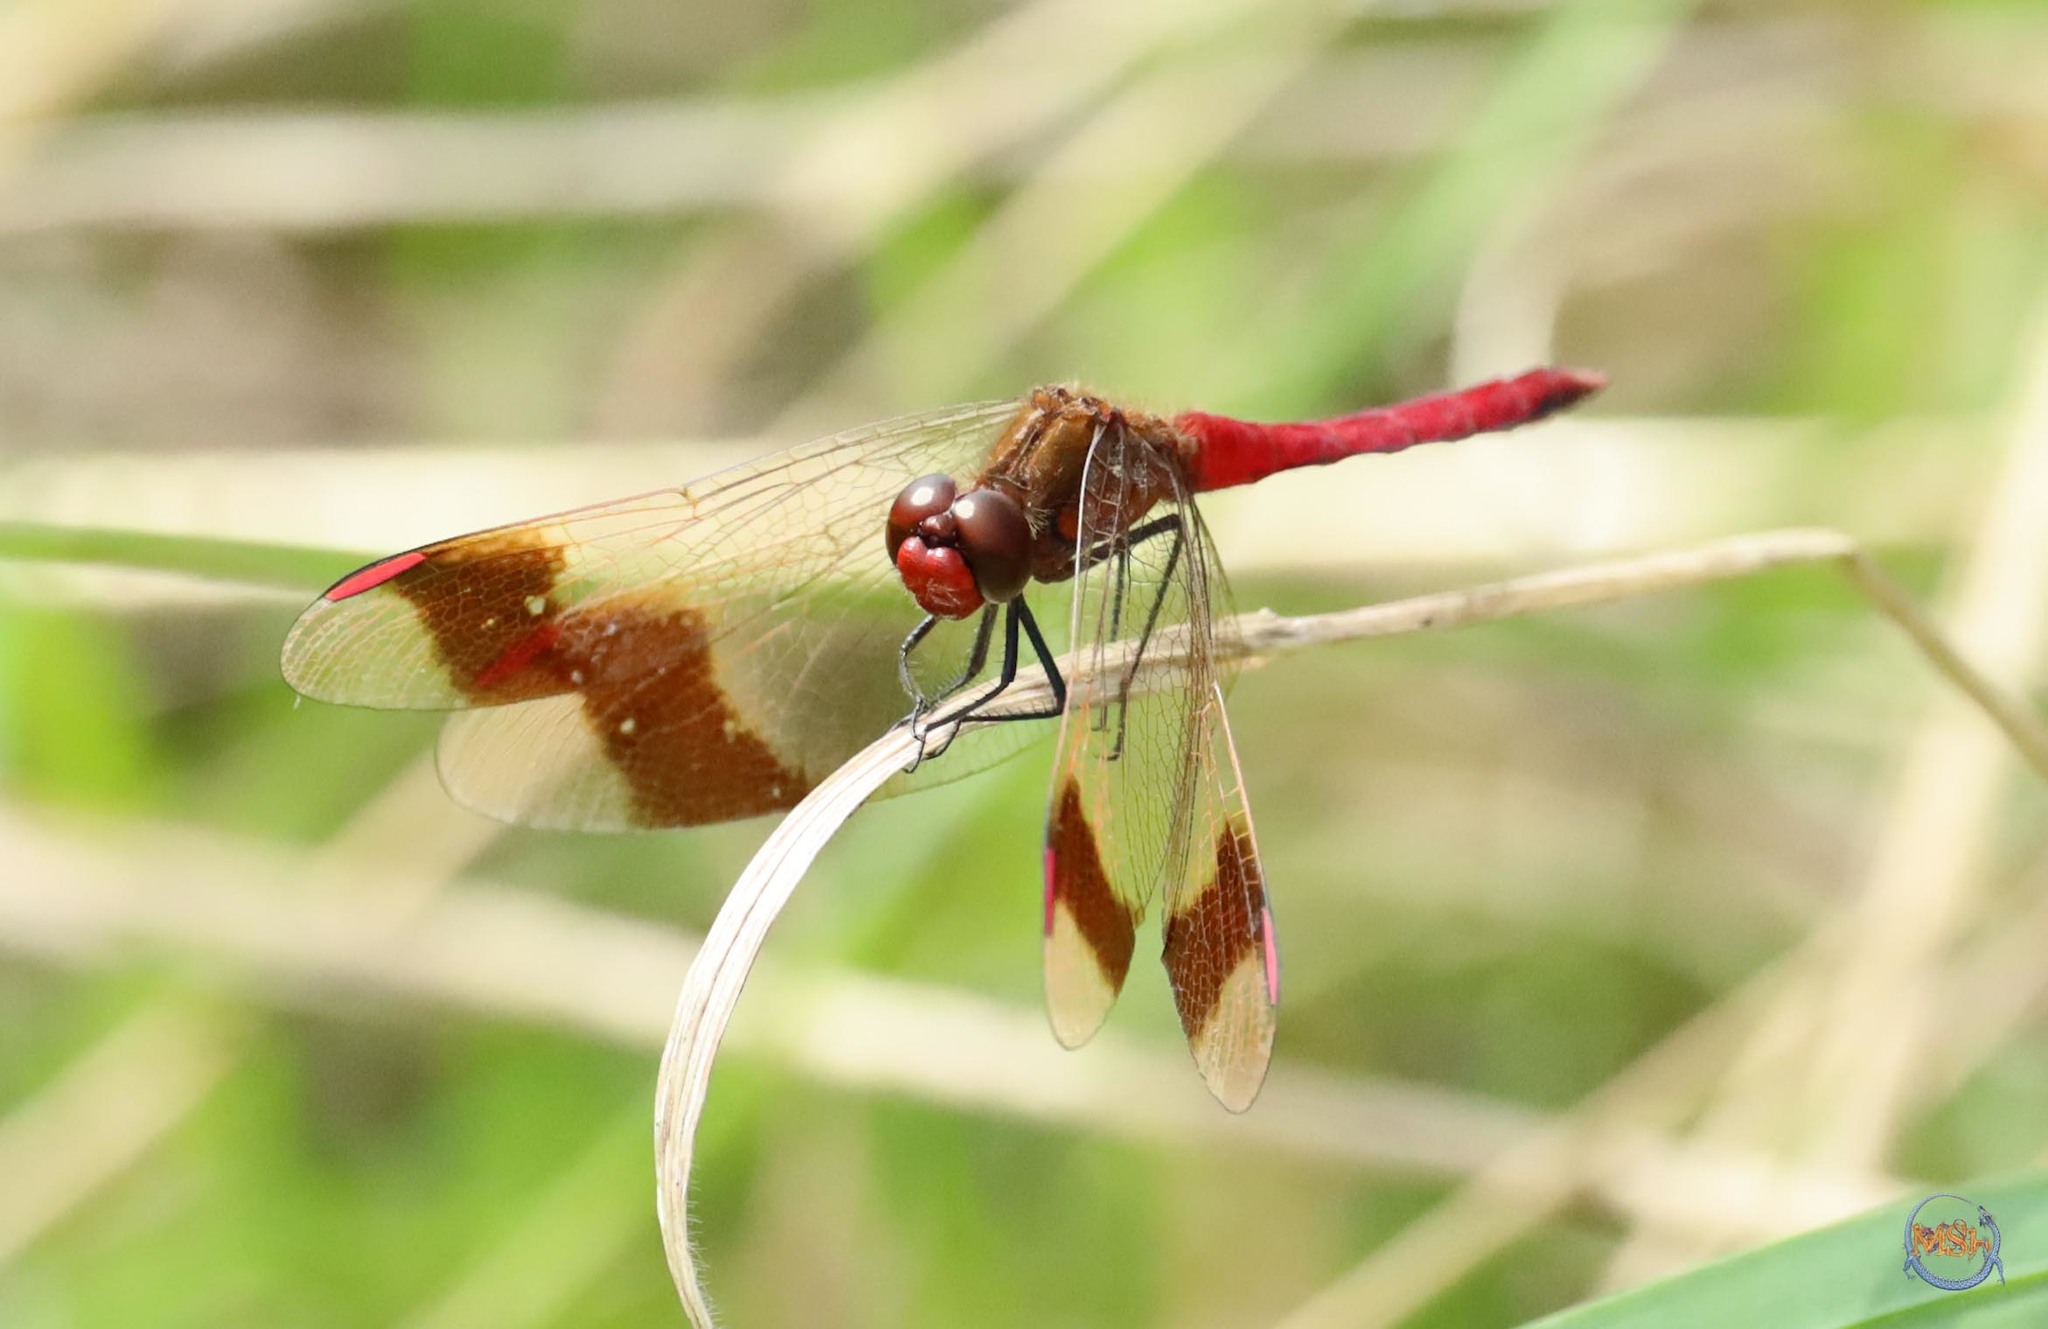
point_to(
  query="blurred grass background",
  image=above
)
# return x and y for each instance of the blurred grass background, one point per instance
(286, 1038)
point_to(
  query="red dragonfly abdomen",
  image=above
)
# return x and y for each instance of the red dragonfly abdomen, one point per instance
(1227, 452)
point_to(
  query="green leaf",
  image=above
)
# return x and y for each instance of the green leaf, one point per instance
(286, 567)
(1845, 1277)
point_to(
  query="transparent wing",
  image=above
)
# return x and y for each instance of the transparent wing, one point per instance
(1147, 801)
(1119, 828)
(1221, 955)
(677, 658)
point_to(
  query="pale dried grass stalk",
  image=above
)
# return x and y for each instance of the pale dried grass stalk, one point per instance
(712, 986)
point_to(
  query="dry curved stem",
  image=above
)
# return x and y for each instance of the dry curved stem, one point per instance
(711, 988)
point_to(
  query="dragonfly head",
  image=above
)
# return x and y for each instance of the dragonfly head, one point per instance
(956, 552)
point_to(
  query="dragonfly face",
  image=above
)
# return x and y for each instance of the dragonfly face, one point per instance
(957, 552)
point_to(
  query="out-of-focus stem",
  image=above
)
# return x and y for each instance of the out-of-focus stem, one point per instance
(1256, 636)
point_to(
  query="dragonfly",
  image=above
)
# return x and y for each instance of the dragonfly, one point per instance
(713, 652)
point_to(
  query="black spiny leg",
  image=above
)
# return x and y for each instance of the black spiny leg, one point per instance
(1172, 522)
(1019, 617)
(909, 681)
(1119, 580)
(1119, 548)
(1180, 542)
(1053, 680)
(977, 658)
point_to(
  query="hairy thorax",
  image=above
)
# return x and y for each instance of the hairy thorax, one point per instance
(1042, 461)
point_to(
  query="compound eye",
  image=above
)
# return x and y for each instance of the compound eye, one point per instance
(920, 500)
(996, 540)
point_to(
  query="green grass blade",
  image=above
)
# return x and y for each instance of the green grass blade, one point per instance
(1849, 1276)
(286, 567)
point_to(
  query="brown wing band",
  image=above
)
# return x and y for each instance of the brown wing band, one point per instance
(644, 670)
(1074, 876)
(1210, 938)
(486, 604)
(651, 695)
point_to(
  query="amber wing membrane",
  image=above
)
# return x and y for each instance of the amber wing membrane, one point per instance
(1221, 954)
(682, 657)
(1145, 797)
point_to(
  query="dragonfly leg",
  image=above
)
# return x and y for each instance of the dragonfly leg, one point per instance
(1053, 680)
(1018, 620)
(1118, 588)
(909, 681)
(1020, 616)
(1162, 526)
(977, 659)
(1119, 548)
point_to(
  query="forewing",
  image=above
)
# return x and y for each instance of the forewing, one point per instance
(1123, 790)
(682, 657)
(1220, 954)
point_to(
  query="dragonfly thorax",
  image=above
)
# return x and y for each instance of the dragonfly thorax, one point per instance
(1082, 468)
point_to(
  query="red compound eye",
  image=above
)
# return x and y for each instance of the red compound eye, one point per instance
(996, 539)
(920, 500)
(957, 552)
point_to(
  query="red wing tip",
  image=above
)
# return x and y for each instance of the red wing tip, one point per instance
(373, 576)
(1271, 956)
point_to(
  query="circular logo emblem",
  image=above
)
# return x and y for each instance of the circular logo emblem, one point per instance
(1952, 1243)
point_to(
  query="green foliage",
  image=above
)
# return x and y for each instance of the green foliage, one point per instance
(1845, 1277)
